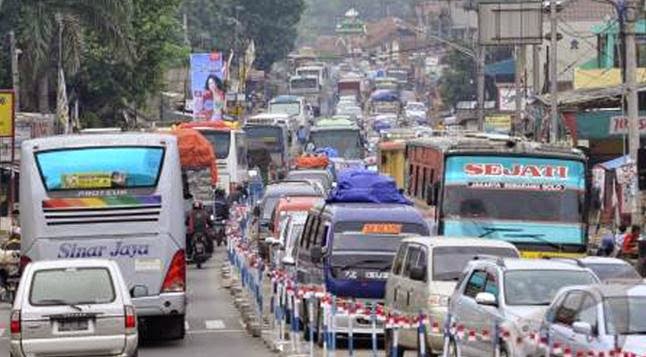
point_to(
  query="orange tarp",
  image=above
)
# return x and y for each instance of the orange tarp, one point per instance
(312, 162)
(196, 152)
(215, 124)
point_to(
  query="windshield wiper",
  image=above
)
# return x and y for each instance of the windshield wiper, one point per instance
(489, 230)
(538, 237)
(60, 302)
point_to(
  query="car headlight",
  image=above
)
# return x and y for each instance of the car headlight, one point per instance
(435, 300)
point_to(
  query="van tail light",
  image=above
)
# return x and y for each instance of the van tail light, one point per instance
(24, 261)
(131, 319)
(175, 280)
(15, 324)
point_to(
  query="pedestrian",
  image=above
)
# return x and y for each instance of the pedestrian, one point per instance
(607, 244)
(629, 247)
(619, 239)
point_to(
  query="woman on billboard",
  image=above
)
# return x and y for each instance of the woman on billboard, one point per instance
(213, 98)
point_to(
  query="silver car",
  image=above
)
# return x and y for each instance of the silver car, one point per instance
(73, 308)
(509, 295)
(599, 318)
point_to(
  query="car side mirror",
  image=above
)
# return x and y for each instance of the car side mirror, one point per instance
(486, 299)
(138, 291)
(418, 273)
(582, 328)
(256, 211)
(271, 226)
(317, 254)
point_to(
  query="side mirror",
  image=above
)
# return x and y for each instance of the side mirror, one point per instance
(138, 291)
(317, 254)
(256, 211)
(582, 328)
(271, 226)
(418, 273)
(270, 240)
(486, 299)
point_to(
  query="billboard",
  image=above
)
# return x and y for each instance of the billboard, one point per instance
(207, 85)
(510, 22)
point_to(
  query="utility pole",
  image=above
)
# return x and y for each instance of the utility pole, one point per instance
(15, 73)
(554, 114)
(518, 88)
(630, 83)
(480, 59)
(536, 64)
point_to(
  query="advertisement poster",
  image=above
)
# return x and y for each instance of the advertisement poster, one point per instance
(6, 114)
(207, 85)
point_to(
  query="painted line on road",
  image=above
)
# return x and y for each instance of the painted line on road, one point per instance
(207, 332)
(214, 324)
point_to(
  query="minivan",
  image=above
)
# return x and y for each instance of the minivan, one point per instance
(423, 276)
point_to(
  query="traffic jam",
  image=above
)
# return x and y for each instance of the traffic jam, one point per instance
(339, 220)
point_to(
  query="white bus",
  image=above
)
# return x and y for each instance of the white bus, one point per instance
(230, 148)
(113, 196)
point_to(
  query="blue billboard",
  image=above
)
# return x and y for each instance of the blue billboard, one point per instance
(207, 85)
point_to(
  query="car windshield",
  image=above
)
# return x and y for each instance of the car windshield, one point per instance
(305, 83)
(100, 167)
(220, 140)
(538, 287)
(71, 286)
(449, 262)
(625, 315)
(260, 138)
(614, 271)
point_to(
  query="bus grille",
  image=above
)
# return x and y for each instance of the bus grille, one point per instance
(130, 209)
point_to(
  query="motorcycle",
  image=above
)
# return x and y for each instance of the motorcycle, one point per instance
(199, 249)
(217, 229)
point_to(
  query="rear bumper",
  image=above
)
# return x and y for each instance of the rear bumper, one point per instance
(162, 304)
(76, 346)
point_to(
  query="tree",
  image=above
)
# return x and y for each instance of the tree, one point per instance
(38, 26)
(458, 79)
(110, 84)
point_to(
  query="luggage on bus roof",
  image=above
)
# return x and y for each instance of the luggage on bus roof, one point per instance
(312, 162)
(361, 185)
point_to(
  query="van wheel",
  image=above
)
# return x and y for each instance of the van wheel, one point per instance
(388, 343)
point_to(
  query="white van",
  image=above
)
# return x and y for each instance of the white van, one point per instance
(423, 276)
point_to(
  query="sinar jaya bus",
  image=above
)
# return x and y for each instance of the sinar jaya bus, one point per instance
(111, 196)
(497, 187)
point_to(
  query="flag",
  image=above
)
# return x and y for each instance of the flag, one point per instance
(62, 107)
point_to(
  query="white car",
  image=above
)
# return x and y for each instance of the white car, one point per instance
(73, 308)
(416, 110)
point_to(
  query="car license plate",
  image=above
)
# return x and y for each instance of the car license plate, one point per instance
(73, 325)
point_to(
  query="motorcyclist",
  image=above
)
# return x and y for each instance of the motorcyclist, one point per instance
(198, 221)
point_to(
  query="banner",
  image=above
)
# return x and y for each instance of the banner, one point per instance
(207, 85)
(7, 114)
(498, 123)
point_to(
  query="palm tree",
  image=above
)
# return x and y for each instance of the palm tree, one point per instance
(38, 35)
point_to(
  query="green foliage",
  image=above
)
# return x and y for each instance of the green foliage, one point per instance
(110, 82)
(457, 81)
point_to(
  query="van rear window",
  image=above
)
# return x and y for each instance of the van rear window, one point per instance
(71, 286)
(381, 227)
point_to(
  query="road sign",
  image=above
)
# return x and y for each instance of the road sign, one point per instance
(510, 23)
(7, 113)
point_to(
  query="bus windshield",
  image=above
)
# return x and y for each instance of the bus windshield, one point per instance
(220, 140)
(264, 138)
(346, 142)
(306, 83)
(514, 188)
(100, 167)
(290, 108)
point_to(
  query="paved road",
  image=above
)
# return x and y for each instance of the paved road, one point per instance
(214, 327)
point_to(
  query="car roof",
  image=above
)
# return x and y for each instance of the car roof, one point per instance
(292, 203)
(602, 260)
(71, 263)
(539, 264)
(614, 290)
(443, 241)
(380, 212)
(300, 188)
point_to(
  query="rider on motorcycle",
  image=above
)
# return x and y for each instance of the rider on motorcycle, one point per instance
(198, 220)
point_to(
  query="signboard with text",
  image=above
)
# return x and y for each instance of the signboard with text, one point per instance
(618, 125)
(7, 113)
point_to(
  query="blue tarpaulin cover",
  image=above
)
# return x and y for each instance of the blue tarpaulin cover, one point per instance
(385, 95)
(327, 151)
(361, 185)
